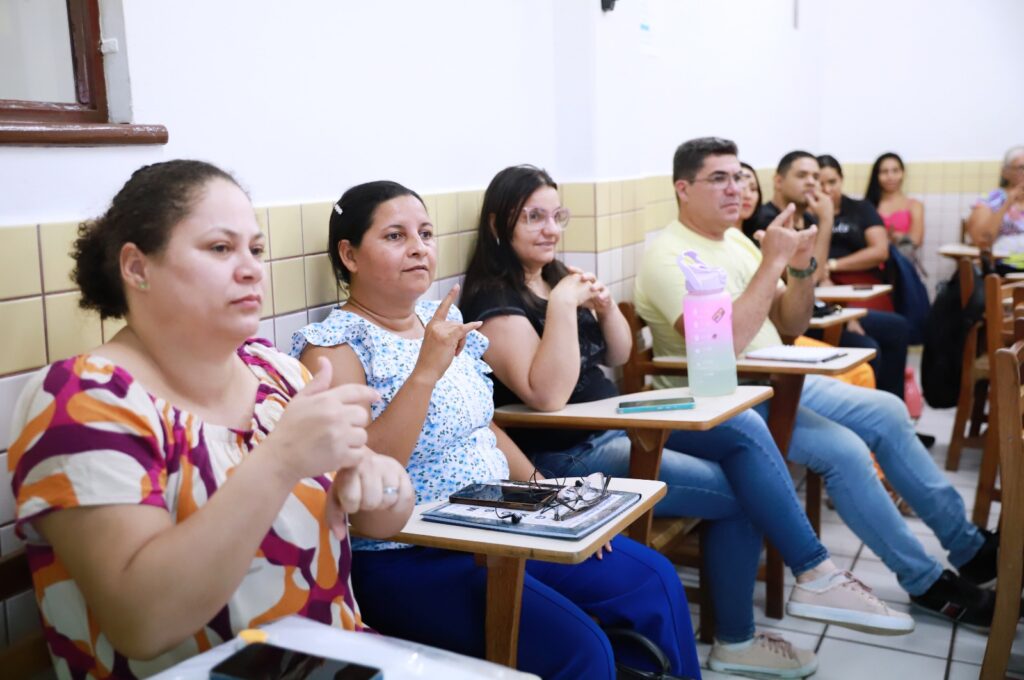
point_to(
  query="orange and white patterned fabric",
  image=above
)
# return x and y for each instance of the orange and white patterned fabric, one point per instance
(91, 435)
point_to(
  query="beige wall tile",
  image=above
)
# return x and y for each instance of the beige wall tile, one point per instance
(447, 256)
(264, 222)
(19, 262)
(56, 240)
(578, 197)
(614, 197)
(289, 285)
(579, 236)
(315, 220)
(22, 345)
(629, 194)
(70, 330)
(617, 237)
(604, 233)
(268, 292)
(468, 205)
(111, 327)
(446, 218)
(602, 198)
(990, 171)
(285, 230)
(467, 242)
(430, 203)
(321, 286)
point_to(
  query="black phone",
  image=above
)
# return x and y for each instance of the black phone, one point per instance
(862, 286)
(509, 496)
(260, 661)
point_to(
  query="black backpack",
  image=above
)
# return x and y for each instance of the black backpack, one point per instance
(945, 332)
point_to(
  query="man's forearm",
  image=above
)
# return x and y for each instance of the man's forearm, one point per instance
(753, 306)
(795, 306)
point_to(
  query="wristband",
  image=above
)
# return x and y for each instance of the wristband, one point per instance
(803, 273)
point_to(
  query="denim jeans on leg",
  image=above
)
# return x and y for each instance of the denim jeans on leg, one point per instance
(837, 427)
(732, 475)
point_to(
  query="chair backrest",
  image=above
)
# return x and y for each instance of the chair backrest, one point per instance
(641, 355)
(28, 656)
(999, 323)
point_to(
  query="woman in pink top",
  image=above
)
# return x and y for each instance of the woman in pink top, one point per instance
(903, 216)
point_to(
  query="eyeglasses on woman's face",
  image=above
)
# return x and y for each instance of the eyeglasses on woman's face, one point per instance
(535, 218)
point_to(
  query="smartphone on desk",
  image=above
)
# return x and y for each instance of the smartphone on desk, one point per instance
(260, 661)
(513, 497)
(655, 405)
(862, 286)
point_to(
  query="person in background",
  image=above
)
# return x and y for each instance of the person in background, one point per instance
(902, 216)
(434, 418)
(837, 425)
(856, 249)
(997, 221)
(550, 328)
(182, 482)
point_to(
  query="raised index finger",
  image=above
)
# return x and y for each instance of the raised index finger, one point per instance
(783, 218)
(442, 309)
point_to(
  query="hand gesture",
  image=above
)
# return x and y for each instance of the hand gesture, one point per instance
(376, 483)
(443, 340)
(783, 244)
(576, 289)
(820, 204)
(600, 300)
(323, 428)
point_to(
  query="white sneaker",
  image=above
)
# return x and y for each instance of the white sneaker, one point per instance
(767, 655)
(841, 599)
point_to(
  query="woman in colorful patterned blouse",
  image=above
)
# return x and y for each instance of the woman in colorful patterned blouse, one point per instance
(180, 483)
(997, 220)
(434, 417)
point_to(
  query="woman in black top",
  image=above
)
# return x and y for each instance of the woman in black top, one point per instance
(550, 328)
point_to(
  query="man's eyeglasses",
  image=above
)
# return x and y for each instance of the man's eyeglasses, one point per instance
(536, 218)
(720, 180)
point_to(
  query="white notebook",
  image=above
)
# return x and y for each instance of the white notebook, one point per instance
(806, 355)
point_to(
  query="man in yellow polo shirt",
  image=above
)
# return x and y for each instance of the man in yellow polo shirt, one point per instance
(837, 425)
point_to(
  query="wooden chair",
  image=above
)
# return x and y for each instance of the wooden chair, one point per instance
(28, 656)
(970, 404)
(1008, 434)
(639, 366)
(998, 335)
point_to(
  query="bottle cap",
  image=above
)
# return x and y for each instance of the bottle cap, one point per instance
(700, 278)
(251, 635)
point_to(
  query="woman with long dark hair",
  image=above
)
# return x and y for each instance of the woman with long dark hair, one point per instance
(902, 216)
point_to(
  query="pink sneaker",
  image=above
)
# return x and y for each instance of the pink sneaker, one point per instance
(841, 599)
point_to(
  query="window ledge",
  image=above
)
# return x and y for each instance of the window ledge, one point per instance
(80, 134)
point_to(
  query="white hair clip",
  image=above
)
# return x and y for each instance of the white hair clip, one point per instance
(337, 208)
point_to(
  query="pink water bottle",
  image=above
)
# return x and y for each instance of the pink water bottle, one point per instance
(707, 322)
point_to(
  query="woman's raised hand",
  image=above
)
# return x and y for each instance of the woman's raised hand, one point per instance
(323, 428)
(443, 340)
(580, 288)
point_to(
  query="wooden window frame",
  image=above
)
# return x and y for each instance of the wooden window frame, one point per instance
(86, 121)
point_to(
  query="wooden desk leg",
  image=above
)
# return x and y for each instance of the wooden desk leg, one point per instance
(832, 334)
(781, 420)
(644, 463)
(504, 604)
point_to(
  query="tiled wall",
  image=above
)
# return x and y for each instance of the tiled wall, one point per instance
(41, 323)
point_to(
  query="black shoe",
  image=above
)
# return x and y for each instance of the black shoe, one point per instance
(981, 569)
(955, 599)
(928, 440)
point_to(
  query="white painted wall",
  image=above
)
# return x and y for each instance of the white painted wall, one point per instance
(933, 80)
(303, 99)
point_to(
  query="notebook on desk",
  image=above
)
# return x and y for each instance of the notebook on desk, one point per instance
(804, 355)
(549, 522)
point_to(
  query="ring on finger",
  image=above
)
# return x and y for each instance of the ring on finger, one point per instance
(390, 490)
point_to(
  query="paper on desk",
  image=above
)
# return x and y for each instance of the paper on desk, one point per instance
(807, 355)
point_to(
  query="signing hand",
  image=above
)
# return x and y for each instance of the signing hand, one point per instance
(820, 204)
(600, 301)
(443, 340)
(377, 483)
(323, 428)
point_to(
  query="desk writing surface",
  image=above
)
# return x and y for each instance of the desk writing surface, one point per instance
(488, 542)
(840, 317)
(601, 415)
(853, 357)
(849, 293)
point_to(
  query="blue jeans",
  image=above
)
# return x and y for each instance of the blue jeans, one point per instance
(888, 334)
(732, 474)
(837, 427)
(437, 597)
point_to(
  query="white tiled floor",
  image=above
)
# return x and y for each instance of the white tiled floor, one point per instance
(936, 649)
